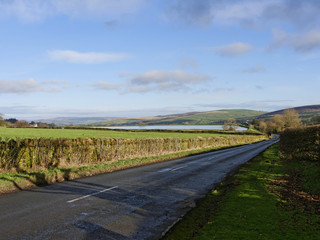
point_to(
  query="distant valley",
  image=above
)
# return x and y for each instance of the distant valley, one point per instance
(191, 118)
(77, 121)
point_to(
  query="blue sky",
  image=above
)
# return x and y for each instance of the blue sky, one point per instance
(130, 58)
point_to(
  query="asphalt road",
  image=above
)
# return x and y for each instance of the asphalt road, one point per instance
(138, 203)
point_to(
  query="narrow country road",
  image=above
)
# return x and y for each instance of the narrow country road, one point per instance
(138, 203)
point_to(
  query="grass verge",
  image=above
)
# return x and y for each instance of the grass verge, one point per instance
(268, 198)
(16, 181)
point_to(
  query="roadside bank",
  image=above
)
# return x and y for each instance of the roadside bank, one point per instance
(269, 198)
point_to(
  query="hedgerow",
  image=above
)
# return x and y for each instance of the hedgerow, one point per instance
(301, 143)
(48, 153)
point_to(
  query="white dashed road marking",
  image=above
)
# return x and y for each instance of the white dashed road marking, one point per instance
(86, 196)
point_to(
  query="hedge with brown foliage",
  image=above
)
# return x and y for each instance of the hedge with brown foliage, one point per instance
(301, 143)
(44, 153)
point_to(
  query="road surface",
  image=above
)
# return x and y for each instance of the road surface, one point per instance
(137, 203)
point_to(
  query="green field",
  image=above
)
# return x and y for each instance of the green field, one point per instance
(85, 133)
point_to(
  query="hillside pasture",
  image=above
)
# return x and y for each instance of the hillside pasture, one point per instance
(194, 118)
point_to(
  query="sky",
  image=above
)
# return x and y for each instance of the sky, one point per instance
(134, 58)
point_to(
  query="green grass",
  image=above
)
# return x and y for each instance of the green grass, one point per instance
(15, 181)
(310, 173)
(249, 205)
(84, 133)
(311, 177)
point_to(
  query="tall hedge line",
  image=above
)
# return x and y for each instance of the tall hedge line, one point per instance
(301, 143)
(44, 153)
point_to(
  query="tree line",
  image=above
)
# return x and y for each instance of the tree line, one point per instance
(290, 118)
(279, 122)
(15, 123)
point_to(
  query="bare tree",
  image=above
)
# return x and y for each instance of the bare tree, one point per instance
(2, 122)
(230, 125)
(291, 118)
(22, 124)
(276, 124)
(43, 125)
(262, 126)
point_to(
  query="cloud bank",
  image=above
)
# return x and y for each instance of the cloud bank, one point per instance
(246, 12)
(27, 86)
(34, 10)
(301, 42)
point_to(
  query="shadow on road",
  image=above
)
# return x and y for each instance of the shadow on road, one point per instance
(148, 202)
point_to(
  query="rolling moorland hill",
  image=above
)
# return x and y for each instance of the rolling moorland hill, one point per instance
(192, 118)
(305, 112)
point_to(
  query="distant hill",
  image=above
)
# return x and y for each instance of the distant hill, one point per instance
(79, 121)
(306, 112)
(191, 118)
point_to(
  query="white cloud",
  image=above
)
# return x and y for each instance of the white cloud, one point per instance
(26, 86)
(233, 49)
(26, 10)
(55, 82)
(244, 11)
(31, 10)
(86, 58)
(255, 69)
(307, 42)
(302, 42)
(156, 81)
(159, 80)
(193, 12)
(160, 76)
